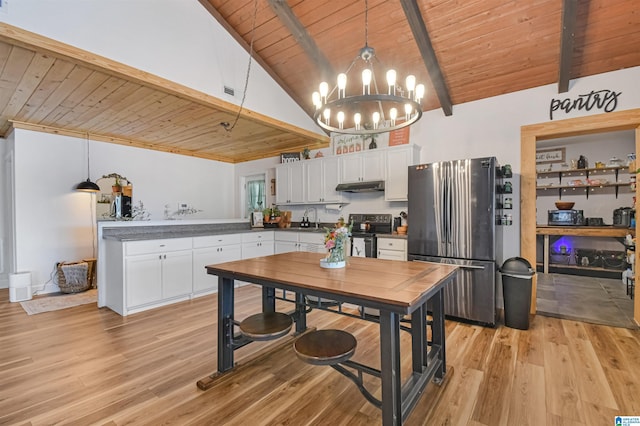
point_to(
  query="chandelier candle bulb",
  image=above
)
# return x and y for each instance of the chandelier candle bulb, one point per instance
(391, 81)
(419, 92)
(341, 119)
(407, 111)
(376, 119)
(324, 91)
(366, 81)
(316, 100)
(356, 119)
(327, 115)
(393, 114)
(342, 85)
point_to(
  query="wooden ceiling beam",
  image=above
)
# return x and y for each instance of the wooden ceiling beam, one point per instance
(299, 32)
(569, 17)
(421, 35)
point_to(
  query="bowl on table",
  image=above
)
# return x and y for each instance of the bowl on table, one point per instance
(564, 205)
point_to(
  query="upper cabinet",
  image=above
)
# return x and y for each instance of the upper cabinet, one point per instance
(290, 183)
(322, 175)
(363, 166)
(398, 160)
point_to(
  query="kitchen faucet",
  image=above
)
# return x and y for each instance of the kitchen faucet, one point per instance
(315, 215)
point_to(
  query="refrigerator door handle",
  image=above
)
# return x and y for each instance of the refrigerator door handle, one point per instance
(470, 267)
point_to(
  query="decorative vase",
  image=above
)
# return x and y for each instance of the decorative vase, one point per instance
(335, 259)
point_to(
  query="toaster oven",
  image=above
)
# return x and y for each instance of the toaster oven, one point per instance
(565, 217)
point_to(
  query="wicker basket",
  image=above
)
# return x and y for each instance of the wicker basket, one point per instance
(73, 277)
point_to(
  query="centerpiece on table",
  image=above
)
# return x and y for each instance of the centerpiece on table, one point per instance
(336, 241)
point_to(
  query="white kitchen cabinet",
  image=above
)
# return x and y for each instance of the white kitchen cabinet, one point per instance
(156, 271)
(363, 166)
(209, 250)
(289, 241)
(322, 175)
(290, 183)
(397, 162)
(257, 243)
(392, 248)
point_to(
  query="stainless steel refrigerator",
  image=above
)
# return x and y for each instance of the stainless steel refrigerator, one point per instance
(451, 219)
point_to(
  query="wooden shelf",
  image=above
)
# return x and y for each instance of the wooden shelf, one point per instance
(585, 231)
(582, 172)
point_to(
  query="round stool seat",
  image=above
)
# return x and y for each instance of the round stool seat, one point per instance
(325, 347)
(266, 325)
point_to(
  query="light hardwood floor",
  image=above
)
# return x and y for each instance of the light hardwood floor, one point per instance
(85, 365)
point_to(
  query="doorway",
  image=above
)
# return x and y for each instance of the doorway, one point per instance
(530, 135)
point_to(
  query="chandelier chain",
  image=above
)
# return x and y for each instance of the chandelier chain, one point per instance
(225, 125)
(366, 22)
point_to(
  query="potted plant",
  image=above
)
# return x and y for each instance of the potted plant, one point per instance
(117, 186)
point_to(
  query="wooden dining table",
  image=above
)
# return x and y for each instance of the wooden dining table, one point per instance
(397, 289)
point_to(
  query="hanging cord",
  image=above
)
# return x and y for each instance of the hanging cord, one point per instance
(225, 124)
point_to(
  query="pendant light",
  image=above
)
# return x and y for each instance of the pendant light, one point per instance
(87, 186)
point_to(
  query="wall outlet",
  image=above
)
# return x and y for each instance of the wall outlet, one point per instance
(183, 206)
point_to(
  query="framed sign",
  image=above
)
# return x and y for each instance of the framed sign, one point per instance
(555, 155)
(289, 157)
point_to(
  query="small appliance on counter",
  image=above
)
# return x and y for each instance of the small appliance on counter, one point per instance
(565, 218)
(622, 217)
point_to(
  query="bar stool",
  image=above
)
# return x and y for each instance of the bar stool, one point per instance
(266, 325)
(325, 347)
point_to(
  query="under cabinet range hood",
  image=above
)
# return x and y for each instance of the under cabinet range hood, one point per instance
(372, 186)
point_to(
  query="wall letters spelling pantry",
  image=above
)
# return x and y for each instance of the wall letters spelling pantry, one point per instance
(606, 100)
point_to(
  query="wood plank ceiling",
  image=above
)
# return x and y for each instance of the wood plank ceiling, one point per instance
(462, 50)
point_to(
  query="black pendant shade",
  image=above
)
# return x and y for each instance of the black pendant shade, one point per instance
(87, 186)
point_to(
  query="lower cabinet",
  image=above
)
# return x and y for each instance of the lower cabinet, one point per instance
(157, 271)
(392, 248)
(286, 242)
(256, 244)
(208, 251)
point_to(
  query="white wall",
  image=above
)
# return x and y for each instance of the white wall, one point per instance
(54, 223)
(174, 39)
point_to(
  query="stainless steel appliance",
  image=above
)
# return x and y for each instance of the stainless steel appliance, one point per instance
(622, 217)
(565, 217)
(452, 219)
(363, 233)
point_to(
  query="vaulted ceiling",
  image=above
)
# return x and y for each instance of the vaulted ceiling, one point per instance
(463, 50)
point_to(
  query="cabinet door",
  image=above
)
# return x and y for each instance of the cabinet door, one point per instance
(282, 184)
(313, 178)
(285, 247)
(202, 281)
(296, 182)
(177, 277)
(397, 162)
(351, 168)
(372, 165)
(143, 279)
(331, 179)
(391, 255)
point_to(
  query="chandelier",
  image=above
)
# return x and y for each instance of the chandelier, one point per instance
(368, 112)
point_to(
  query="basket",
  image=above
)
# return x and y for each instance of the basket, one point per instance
(614, 260)
(73, 277)
(588, 257)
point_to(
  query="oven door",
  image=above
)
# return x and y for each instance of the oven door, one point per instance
(363, 246)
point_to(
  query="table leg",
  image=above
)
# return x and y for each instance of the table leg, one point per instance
(419, 339)
(437, 333)
(390, 368)
(301, 313)
(225, 324)
(268, 299)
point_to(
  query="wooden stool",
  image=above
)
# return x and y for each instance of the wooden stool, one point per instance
(266, 325)
(325, 347)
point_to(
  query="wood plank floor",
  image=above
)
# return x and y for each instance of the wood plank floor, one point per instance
(85, 366)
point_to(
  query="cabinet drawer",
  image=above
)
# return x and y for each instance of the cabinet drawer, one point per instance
(254, 237)
(157, 246)
(217, 240)
(288, 236)
(311, 237)
(392, 244)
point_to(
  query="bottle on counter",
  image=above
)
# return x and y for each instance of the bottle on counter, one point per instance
(582, 162)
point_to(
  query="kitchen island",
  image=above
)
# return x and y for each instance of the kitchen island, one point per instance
(394, 288)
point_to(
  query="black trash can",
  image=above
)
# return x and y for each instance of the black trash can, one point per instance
(517, 275)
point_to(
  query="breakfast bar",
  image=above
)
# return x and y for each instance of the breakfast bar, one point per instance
(395, 289)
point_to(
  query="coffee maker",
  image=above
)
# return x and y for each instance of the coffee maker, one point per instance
(120, 206)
